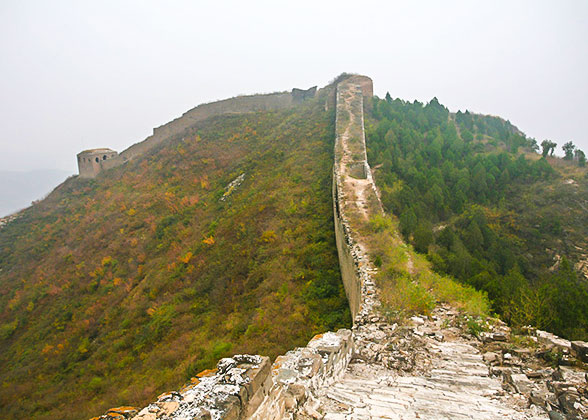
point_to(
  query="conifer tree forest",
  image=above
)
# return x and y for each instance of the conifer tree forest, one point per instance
(472, 193)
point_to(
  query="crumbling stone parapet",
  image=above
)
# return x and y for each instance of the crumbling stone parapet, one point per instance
(298, 375)
(237, 105)
(92, 162)
(232, 391)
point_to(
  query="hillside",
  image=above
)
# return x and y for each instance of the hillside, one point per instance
(217, 242)
(472, 195)
(19, 189)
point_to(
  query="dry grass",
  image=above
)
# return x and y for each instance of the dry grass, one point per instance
(406, 281)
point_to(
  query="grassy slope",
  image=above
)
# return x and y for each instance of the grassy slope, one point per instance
(115, 289)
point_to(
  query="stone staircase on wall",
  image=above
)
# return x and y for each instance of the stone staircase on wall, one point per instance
(429, 369)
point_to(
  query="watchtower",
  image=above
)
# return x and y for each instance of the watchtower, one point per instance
(91, 162)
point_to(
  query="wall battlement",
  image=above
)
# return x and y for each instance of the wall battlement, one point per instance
(236, 105)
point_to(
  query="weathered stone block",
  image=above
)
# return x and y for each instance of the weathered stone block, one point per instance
(490, 357)
(552, 340)
(521, 383)
(580, 350)
(310, 365)
(258, 383)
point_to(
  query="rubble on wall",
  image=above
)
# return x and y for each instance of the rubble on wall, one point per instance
(435, 368)
(227, 392)
(546, 370)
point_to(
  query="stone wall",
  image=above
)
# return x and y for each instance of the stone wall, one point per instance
(351, 172)
(347, 265)
(298, 375)
(236, 105)
(301, 95)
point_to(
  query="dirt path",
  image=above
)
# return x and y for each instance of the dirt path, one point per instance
(358, 189)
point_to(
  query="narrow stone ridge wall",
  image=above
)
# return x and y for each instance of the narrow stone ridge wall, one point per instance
(236, 105)
(355, 196)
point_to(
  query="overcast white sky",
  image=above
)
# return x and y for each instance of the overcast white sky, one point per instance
(82, 74)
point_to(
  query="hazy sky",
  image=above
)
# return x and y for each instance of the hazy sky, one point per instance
(82, 74)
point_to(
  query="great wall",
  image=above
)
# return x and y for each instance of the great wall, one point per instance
(92, 162)
(428, 368)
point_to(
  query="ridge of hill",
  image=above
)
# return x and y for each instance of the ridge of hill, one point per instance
(19, 188)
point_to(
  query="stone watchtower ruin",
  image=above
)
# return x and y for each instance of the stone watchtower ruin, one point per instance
(91, 162)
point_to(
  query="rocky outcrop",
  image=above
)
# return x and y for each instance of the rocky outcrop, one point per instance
(10, 218)
(235, 183)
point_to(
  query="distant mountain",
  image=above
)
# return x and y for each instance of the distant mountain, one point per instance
(19, 189)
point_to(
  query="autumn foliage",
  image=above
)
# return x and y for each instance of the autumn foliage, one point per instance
(116, 289)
